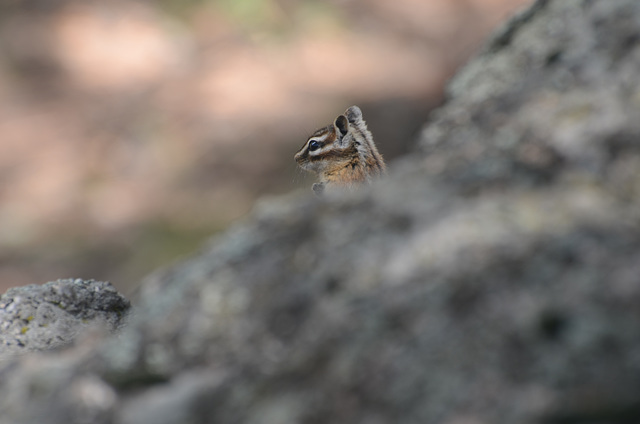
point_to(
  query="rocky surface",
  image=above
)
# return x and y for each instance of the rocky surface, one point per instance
(493, 277)
(34, 318)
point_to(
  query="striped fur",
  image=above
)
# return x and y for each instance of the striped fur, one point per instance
(343, 153)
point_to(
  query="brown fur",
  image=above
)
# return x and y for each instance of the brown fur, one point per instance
(342, 159)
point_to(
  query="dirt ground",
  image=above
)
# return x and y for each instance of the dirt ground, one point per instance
(131, 131)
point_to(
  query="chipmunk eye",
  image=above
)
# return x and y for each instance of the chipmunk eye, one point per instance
(314, 145)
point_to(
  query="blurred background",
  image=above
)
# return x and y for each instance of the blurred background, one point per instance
(131, 131)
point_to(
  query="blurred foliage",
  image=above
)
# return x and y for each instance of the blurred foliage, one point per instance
(276, 18)
(182, 8)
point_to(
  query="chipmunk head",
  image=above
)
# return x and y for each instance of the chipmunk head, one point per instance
(331, 145)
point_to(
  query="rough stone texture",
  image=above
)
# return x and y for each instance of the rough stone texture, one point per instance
(554, 97)
(43, 317)
(493, 277)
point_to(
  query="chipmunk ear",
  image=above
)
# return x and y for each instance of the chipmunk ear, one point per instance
(342, 124)
(353, 114)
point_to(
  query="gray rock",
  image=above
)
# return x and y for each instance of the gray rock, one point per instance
(34, 318)
(493, 277)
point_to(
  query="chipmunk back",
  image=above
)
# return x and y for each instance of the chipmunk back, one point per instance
(343, 153)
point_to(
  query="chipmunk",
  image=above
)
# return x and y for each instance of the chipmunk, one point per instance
(342, 154)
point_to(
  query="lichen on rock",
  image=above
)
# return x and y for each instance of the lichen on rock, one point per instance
(41, 317)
